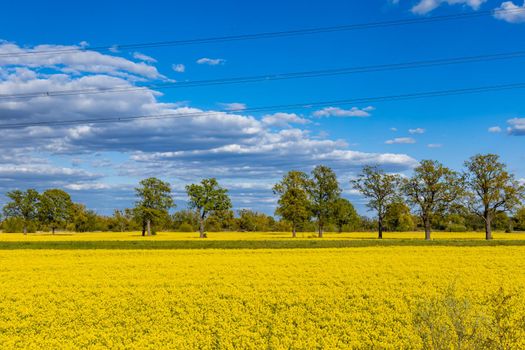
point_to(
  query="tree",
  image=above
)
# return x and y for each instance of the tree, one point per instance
(380, 188)
(55, 208)
(154, 202)
(23, 205)
(432, 190)
(293, 204)
(398, 217)
(207, 197)
(344, 214)
(324, 191)
(492, 188)
(520, 219)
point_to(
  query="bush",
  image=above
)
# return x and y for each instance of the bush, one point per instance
(185, 227)
(456, 228)
(16, 225)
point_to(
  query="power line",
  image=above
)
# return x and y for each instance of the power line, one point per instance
(268, 35)
(271, 77)
(410, 96)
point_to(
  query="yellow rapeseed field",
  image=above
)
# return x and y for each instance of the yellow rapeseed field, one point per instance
(363, 298)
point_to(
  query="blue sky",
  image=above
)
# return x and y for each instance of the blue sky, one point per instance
(248, 152)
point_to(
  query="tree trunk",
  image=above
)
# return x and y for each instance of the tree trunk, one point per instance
(427, 229)
(143, 230)
(488, 229)
(25, 229)
(380, 228)
(201, 228)
(320, 231)
(148, 224)
(53, 230)
(340, 228)
(294, 231)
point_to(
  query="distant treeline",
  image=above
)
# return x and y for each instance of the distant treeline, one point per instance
(483, 197)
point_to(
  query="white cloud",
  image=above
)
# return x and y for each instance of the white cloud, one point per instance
(516, 126)
(179, 67)
(234, 106)
(400, 140)
(238, 147)
(434, 145)
(339, 112)
(416, 131)
(510, 12)
(393, 129)
(211, 61)
(74, 62)
(426, 6)
(87, 186)
(284, 119)
(494, 129)
(143, 57)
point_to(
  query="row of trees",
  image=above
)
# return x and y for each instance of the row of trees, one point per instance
(485, 188)
(435, 197)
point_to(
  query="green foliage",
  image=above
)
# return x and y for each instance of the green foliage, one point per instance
(207, 198)
(324, 191)
(345, 215)
(185, 227)
(55, 208)
(253, 221)
(22, 206)
(398, 217)
(17, 225)
(520, 219)
(154, 202)
(293, 204)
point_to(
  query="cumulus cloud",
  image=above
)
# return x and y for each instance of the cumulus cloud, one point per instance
(510, 12)
(284, 119)
(416, 131)
(426, 6)
(339, 112)
(73, 60)
(187, 144)
(211, 61)
(143, 57)
(178, 67)
(494, 129)
(434, 145)
(516, 126)
(400, 140)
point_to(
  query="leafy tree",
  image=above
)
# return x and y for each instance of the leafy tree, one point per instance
(293, 204)
(380, 188)
(23, 205)
(432, 190)
(344, 214)
(55, 208)
(492, 188)
(398, 217)
(520, 219)
(324, 191)
(120, 221)
(154, 202)
(221, 220)
(188, 217)
(207, 197)
(253, 221)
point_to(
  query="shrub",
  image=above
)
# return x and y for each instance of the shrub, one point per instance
(16, 225)
(185, 227)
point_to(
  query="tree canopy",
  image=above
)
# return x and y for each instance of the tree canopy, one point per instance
(207, 197)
